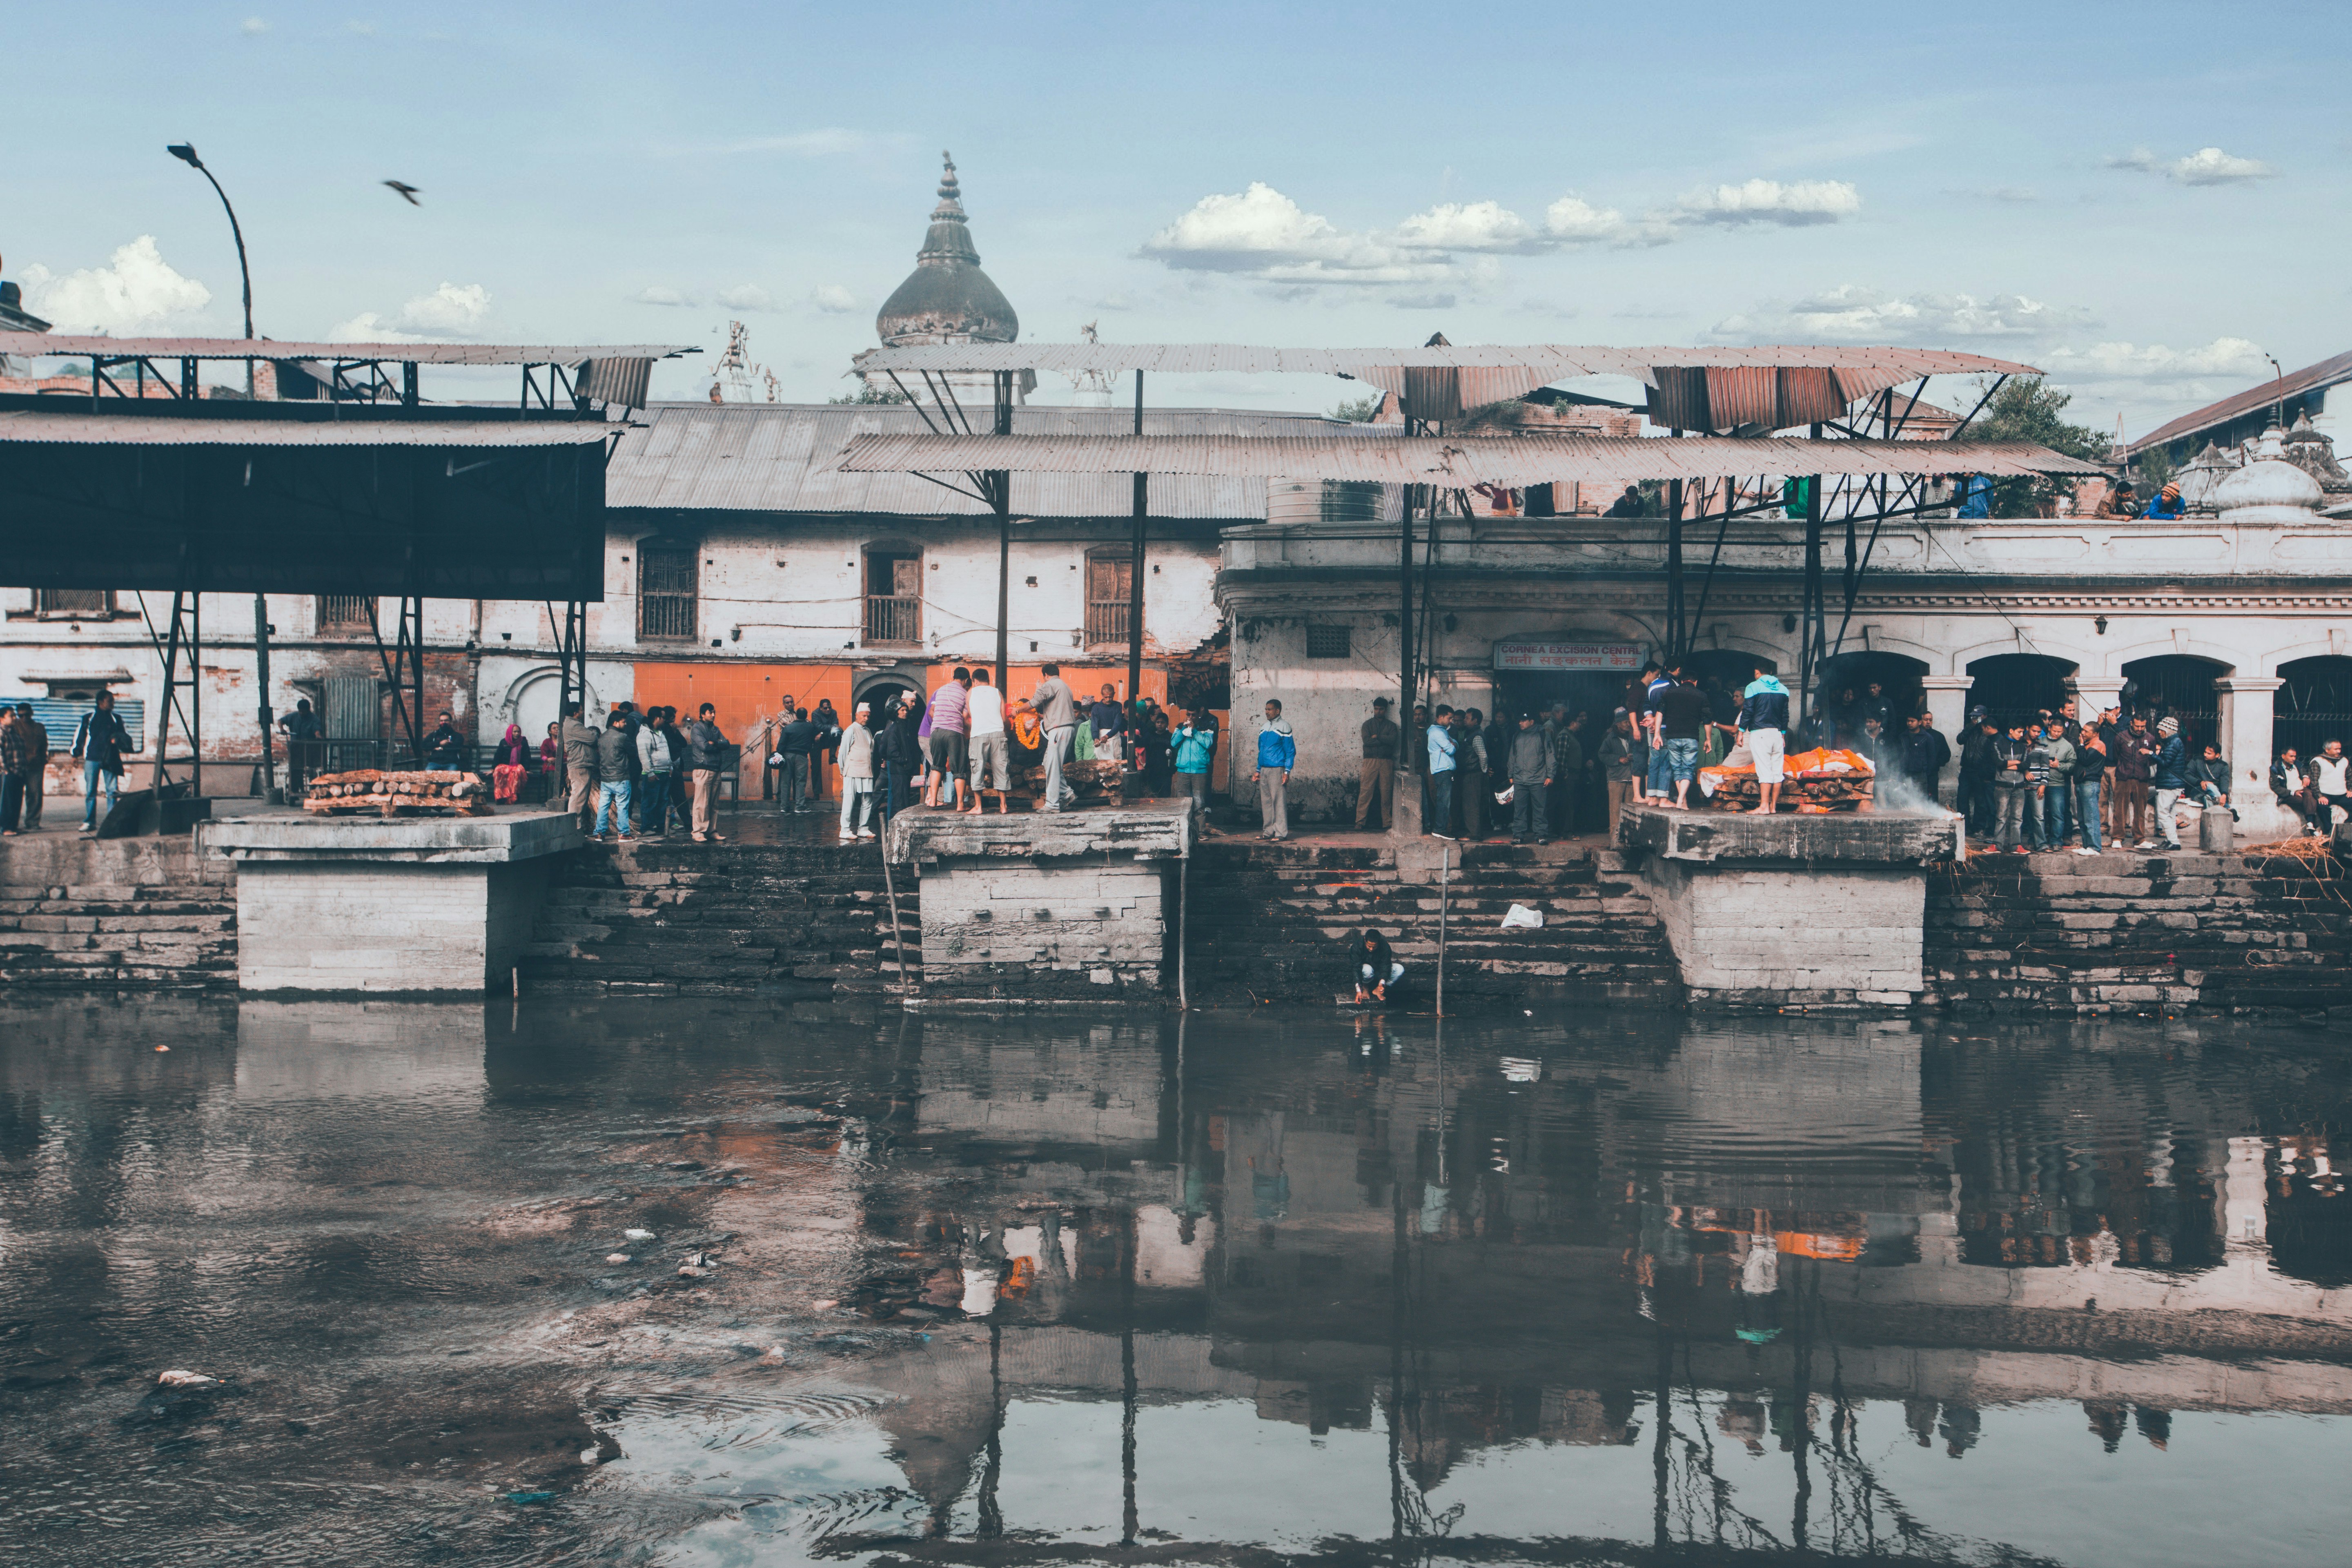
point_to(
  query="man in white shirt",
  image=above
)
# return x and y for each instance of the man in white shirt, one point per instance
(2328, 770)
(992, 757)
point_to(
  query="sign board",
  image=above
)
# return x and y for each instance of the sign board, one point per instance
(1568, 656)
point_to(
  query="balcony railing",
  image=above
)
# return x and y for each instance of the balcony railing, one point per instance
(894, 618)
(1106, 621)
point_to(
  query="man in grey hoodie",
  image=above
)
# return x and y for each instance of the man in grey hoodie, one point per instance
(1531, 777)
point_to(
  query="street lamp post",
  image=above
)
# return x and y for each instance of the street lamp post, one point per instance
(185, 152)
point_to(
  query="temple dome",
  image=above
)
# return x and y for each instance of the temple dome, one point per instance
(2268, 489)
(947, 298)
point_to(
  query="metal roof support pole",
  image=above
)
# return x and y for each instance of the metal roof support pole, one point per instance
(1816, 617)
(270, 790)
(1000, 495)
(1675, 638)
(1405, 769)
(1135, 605)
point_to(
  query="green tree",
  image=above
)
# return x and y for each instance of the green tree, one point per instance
(2026, 410)
(869, 393)
(1358, 410)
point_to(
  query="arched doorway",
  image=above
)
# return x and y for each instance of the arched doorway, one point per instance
(883, 688)
(1897, 676)
(2013, 688)
(2176, 685)
(2315, 706)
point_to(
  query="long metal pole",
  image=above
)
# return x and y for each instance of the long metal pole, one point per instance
(1444, 887)
(1000, 491)
(1404, 623)
(1816, 629)
(1675, 639)
(270, 790)
(1183, 915)
(244, 272)
(1135, 600)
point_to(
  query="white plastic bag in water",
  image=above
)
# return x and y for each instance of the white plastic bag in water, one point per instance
(1522, 918)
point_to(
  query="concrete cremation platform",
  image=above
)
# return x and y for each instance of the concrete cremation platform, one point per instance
(1794, 909)
(1045, 907)
(402, 905)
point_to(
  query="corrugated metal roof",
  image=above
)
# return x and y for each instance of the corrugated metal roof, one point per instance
(1489, 372)
(1450, 462)
(2327, 372)
(118, 430)
(768, 457)
(38, 345)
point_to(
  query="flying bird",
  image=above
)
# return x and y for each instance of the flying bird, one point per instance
(407, 192)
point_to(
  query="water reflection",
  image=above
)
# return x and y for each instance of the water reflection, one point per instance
(1619, 1289)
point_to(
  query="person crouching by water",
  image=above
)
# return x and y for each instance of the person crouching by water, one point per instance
(1375, 968)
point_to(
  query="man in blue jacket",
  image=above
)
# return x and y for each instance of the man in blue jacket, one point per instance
(1196, 748)
(2170, 771)
(1276, 750)
(1764, 726)
(1441, 773)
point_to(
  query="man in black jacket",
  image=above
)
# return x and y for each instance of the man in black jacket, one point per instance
(794, 745)
(1925, 753)
(1373, 965)
(100, 743)
(444, 748)
(706, 750)
(899, 756)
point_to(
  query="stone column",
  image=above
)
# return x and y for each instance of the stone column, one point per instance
(1948, 704)
(2247, 703)
(2094, 694)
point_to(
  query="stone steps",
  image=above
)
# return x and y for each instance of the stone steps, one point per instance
(80, 913)
(1273, 919)
(2140, 930)
(658, 919)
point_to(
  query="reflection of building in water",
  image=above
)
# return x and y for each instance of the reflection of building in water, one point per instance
(1470, 1252)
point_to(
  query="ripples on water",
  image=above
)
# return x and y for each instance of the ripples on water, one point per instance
(1618, 1289)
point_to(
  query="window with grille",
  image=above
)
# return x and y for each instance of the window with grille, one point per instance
(666, 590)
(1326, 642)
(1110, 585)
(346, 614)
(68, 602)
(893, 596)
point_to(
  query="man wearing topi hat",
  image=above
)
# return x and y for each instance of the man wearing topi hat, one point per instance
(2171, 776)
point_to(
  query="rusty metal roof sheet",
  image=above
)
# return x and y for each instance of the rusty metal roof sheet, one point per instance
(34, 345)
(1489, 373)
(148, 430)
(779, 457)
(2310, 378)
(1450, 462)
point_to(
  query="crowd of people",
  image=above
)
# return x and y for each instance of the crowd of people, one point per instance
(2049, 781)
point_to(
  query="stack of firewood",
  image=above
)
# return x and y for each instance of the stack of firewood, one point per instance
(1096, 782)
(395, 794)
(1812, 782)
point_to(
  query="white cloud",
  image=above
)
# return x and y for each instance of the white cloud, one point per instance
(746, 297)
(136, 289)
(1851, 313)
(1261, 232)
(364, 29)
(452, 311)
(253, 26)
(659, 294)
(1798, 203)
(1432, 301)
(2206, 166)
(832, 299)
(1472, 225)
(2233, 357)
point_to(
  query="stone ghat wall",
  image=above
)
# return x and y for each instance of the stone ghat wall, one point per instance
(2124, 932)
(1022, 931)
(81, 913)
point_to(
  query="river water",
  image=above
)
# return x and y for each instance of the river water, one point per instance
(1231, 1288)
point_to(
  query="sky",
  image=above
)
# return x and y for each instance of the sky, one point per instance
(2141, 200)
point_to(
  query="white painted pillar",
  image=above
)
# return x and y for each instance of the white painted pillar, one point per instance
(1948, 705)
(2094, 694)
(2247, 704)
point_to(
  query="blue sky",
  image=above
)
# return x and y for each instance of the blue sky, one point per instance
(2028, 181)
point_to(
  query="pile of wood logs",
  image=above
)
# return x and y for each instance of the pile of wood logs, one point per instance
(1812, 782)
(398, 793)
(1096, 782)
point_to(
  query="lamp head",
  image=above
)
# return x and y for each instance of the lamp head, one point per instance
(186, 153)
